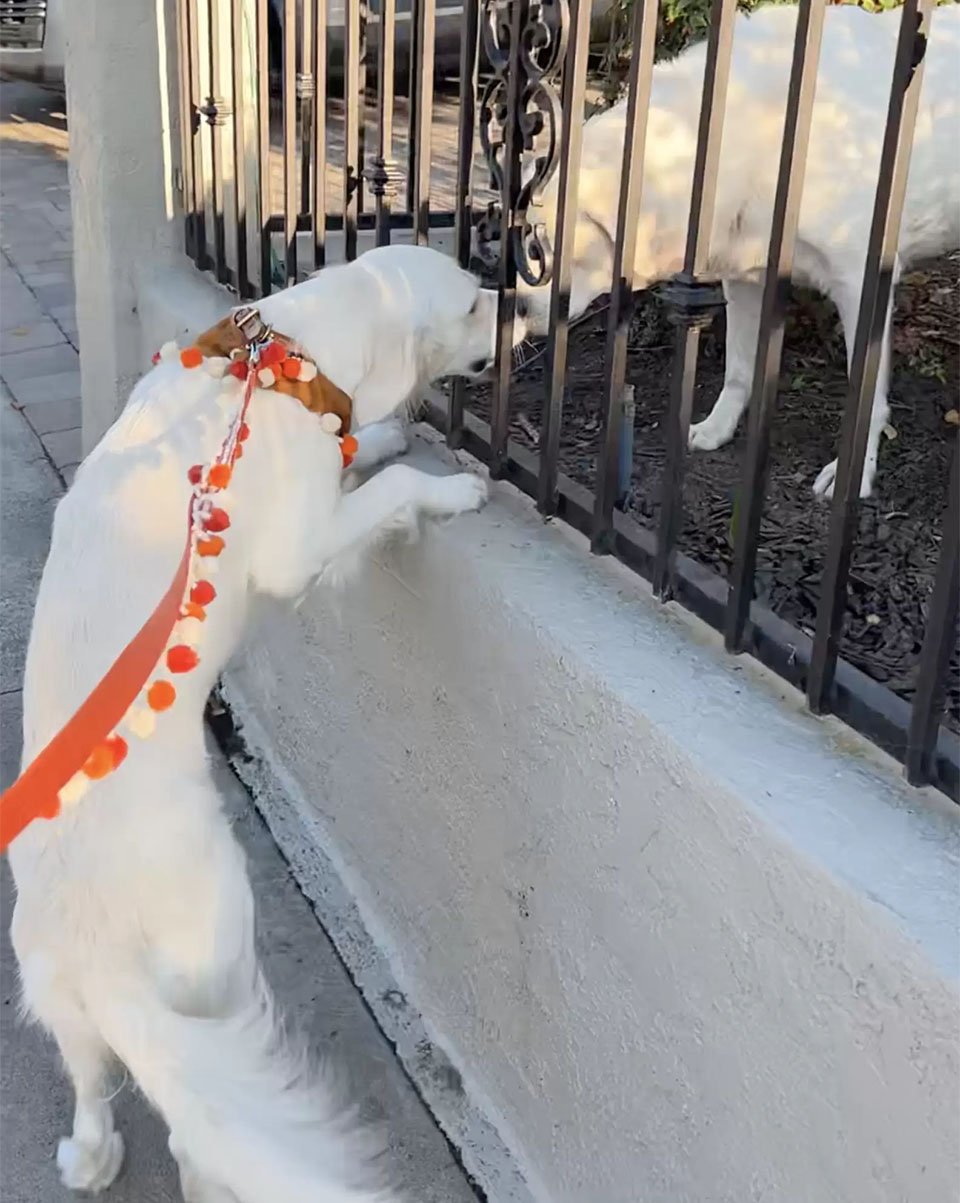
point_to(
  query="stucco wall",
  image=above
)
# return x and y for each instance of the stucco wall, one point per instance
(687, 942)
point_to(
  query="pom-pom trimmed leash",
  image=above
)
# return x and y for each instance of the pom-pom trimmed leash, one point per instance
(139, 686)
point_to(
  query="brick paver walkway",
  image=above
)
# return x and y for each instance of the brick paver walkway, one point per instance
(39, 363)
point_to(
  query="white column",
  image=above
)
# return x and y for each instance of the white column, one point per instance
(121, 62)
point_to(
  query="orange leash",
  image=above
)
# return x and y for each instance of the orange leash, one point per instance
(34, 795)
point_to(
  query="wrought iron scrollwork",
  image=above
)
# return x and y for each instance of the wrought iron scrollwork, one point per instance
(537, 58)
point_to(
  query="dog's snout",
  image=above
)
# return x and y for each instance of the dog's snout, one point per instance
(522, 307)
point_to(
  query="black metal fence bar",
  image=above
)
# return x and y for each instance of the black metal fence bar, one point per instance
(353, 103)
(939, 642)
(320, 136)
(238, 95)
(187, 126)
(199, 174)
(306, 95)
(290, 140)
(381, 178)
(693, 307)
(643, 36)
(872, 320)
(574, 88)
(215, 111)
(766, 371)
(421, 110)
(466, 138)
(500, 110)
(265, 198)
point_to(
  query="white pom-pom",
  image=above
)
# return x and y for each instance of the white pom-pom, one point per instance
(210, 566)
(330, 423)
(216, 367)
(141, 721)
(266, 377)
(190, 633)
(169, 350)
(308, 370)
(74, 790)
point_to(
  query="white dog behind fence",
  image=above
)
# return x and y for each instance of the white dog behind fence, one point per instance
(849, 116)
(133, 923)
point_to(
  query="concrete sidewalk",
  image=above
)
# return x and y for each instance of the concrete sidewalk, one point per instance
(39, 441)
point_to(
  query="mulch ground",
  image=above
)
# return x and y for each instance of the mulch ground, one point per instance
(899, 537)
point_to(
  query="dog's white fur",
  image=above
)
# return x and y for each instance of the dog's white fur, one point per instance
(848, 121)
(134, 924)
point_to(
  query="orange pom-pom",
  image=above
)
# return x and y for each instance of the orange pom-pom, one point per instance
(348, 449)
(291, 368)
(105, 757)
(99, 762)
(203, 593)
(217, 520)
(191, 357)
(161, 695)
(219, 476)
(192, 610)
(181, 659)
(273, 353)
(238, 451)
(118, 747)
(211, 546)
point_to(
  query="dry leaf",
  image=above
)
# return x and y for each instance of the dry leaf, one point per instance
(952, 417)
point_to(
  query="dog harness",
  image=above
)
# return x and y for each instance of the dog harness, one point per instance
(139, 685)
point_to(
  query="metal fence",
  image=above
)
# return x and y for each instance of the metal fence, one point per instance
(291, 137)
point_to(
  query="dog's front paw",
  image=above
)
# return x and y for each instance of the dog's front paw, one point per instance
(90, 1167)
(460, 494)
(709, 434)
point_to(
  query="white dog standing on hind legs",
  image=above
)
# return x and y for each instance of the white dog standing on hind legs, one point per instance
(133, 925)
(849, 112)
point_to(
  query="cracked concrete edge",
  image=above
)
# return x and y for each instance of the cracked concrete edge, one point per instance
(301, 838)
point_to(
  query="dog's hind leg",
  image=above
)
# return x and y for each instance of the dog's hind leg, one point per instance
(743, 325)
(90, 1158)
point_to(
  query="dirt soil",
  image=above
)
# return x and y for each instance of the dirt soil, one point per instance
(896, 552)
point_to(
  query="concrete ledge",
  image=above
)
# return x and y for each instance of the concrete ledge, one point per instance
(679, 938)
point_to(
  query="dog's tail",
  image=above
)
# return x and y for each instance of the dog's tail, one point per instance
(240, 1104)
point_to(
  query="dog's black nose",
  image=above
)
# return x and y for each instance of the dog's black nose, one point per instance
(521, 306)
